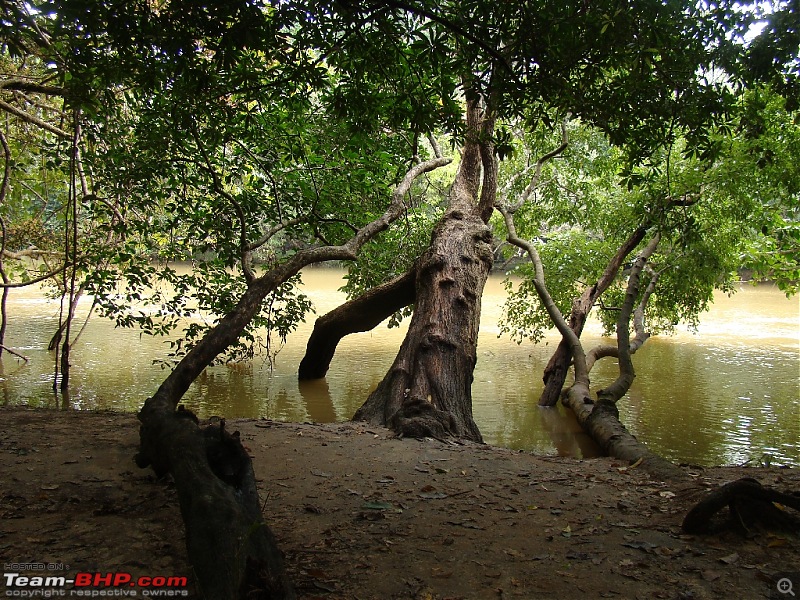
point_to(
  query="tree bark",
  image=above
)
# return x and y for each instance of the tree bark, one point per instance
(230, 546)
(601, 421)
(360, 314)
(624, 380)
(428, 389)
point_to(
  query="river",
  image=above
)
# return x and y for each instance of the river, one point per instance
(727, 394)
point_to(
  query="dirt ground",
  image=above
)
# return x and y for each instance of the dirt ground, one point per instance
(362, 515)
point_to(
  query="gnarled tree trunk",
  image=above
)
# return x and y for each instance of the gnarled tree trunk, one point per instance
(428, 388)
(427, 391)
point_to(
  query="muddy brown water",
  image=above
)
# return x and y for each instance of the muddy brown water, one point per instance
(725, 395)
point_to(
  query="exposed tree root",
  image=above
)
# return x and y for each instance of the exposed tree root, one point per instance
(418, 418)
(750, 505)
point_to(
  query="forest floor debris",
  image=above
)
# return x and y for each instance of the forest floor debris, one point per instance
(360, 514)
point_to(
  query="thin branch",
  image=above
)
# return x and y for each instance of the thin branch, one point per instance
(10, 351)
(539, 166)
(344, 222)
(38, 104)
(247, 268)
(437, 151)
(36, 279)
(272, 232)
(28, 118)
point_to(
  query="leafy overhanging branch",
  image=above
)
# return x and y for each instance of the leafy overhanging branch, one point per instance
(230, 546)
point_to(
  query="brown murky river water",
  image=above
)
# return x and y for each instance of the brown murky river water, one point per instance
(728, 394)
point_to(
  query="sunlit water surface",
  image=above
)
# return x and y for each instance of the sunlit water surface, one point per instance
(728, 394)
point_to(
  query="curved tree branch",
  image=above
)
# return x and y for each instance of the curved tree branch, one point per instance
(363, 313)
(641, 335)
(568, 335)
(622, 384)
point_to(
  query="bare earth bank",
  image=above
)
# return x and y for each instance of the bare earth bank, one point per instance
(362, 515)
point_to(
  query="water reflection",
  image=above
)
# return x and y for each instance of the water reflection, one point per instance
(726, 395)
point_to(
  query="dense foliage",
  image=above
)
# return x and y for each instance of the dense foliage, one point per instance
(232, 134)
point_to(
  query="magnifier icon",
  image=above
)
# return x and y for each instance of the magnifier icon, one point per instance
(785, 586)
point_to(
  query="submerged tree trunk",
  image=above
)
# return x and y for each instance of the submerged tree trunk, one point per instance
(360, 314)
(232, 550)
(428, 389)
(600, 418)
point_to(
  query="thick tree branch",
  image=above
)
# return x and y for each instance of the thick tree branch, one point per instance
(363, 313)
(22, 85)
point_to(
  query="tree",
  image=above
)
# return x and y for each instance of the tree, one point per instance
(224, 139)
(608, 66)
(231, 131)
(701, 218)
